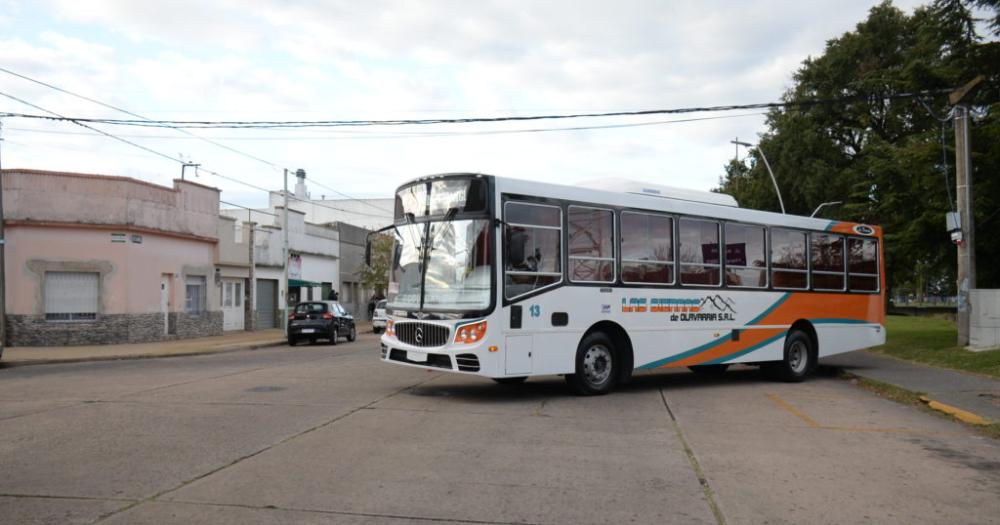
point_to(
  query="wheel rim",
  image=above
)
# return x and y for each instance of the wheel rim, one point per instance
(798, 357)
(597, 365)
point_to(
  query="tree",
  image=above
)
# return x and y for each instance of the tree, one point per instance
(881, 152)
(376, 275)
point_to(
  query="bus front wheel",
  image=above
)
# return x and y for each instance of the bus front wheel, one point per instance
(800, 359)
(596, 366)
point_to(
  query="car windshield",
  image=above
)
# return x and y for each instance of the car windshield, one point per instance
(380, 305)
(457, 274)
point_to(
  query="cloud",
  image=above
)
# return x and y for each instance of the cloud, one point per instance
(343, 59)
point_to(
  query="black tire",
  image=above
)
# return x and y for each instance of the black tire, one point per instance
(353, 334)
(799, 361)
(292, 341)
(334, 335)
(376, 330)
(510, 380)
(596, 366)
(709, 370)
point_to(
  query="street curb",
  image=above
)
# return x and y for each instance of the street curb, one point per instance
(957, 413)
(130, 357)
(962, 415)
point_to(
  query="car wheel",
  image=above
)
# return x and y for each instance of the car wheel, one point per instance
(709, 370)
(292, 341)
(353, 334)
(800, 359)
(334, 336)
(596, 366)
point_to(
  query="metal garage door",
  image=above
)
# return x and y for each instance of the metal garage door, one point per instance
(267, 302)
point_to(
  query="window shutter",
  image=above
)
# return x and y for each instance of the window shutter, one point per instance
(71, 292)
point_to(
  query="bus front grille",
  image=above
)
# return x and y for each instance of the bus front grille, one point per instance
(422, 334)
(467, 362)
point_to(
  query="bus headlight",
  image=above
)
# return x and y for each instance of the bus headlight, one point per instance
(470, 333)
(390, 328)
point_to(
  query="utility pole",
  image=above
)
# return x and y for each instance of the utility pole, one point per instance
(284, 229)
(251, 291)
(963, 183)
(3, 262)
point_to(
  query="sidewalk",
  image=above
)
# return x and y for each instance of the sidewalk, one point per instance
(979, 395)
(231, 341)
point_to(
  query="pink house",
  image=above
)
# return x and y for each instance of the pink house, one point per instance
(93, 259)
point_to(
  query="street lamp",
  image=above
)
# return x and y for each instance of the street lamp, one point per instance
(768, 165)
(831, 203)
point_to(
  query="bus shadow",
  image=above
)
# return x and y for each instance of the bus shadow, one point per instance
(547, 387)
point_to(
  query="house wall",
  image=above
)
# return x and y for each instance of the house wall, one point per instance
(129, 232)
(129, 285)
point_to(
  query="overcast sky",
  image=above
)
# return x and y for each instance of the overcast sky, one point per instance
(281, 60)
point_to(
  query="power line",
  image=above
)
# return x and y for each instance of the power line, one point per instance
(275, 124)
(169, 157)
(417, 134)
(186, 132)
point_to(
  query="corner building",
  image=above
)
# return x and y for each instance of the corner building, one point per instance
(94, 259)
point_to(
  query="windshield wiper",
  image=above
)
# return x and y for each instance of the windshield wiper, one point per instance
(452, 212)
(448, 217)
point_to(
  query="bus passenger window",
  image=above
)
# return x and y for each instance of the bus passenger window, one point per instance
(591, 245)
(788, 259)
(699, 245)
(745, 263)
(532, 242)
(827, 261)
(647, 248)
(863, 264)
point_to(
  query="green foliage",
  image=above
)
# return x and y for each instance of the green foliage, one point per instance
(376, 275)
(882, 155)
(931, 341)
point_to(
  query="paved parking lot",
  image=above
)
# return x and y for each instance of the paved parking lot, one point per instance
(323, 434)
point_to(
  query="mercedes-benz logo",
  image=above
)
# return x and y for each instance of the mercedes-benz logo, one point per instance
(419, 335)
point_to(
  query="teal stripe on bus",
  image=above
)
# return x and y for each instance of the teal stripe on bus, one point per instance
(770, 309)
(689, 353)
(747, 350)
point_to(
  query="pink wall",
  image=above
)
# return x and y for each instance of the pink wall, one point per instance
(133, 284)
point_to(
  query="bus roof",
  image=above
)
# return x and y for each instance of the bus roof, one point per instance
(626, 193)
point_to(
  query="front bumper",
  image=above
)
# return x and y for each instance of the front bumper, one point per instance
(466, 359)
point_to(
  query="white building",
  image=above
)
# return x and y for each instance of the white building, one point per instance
(371, 214)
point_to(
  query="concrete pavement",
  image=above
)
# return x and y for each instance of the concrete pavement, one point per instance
(328, 434)
(974, 393)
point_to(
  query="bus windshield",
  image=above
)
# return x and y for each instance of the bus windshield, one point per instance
(457, 274)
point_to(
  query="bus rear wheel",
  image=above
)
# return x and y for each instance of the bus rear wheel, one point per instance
(596, 366)
(800, 359)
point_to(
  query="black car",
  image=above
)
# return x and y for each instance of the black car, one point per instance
(320, 320)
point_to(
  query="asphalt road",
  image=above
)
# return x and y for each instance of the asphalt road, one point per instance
(322, 434)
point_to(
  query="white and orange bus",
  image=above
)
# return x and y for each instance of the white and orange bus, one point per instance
(508, 278)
